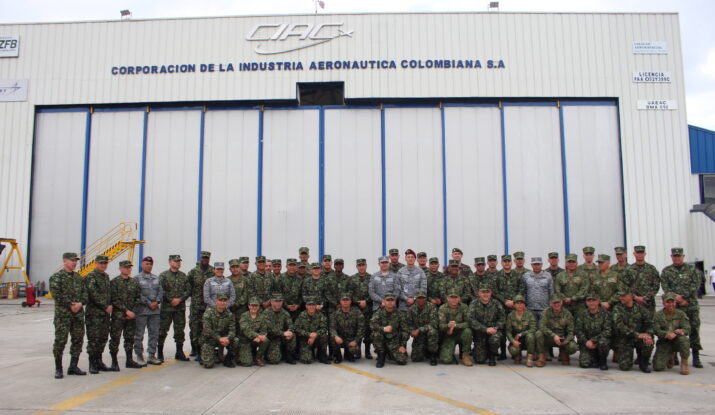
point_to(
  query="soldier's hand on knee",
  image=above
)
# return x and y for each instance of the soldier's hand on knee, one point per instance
(288, 334)
(338, 340)
(415, 333)
(352, 344)
(402, 349)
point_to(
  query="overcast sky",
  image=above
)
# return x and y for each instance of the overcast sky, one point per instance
(697, 23)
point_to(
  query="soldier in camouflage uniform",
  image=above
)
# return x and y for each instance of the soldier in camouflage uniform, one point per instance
(70, 294)
(422, 261)
(315, 288)
(593, 331)
(486, 317)
(454, 325)
(276, 267)
(434, 282)
(521, 330)
(125, 295)
(519, 261)
(304, 256)
(360, 292)
(480, 276)
(311, 327)
(330, 280)
(389, 332)
(176, 288)
(464, 269)
(261, 282)
(290, 286)
(632, 328)
(492, 268)
(621, 259)
(672, 327)
(454, 281)
(604, 283)
(423, 323)
(347, 329)
(557, 330)
(97, 313)
(341, 282)
(642, 279)
(572, 286)
(252, 335)
(554, 269)
(219, 331)
(395, 263)
(509, 285)
(240, 286)
(280, 332)
(197, 278)
(588, 267)
(683, 280)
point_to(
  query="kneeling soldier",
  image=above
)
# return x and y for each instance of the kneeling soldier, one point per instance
(424, 329)
(672, 327)
(253, 335)
(521, 331)
(454, 327)
(347, 329)
(280, 332)
(219, 330)
(593, 330)
(389, 332)
(557, 330)
(311, 327)
(486, 317)
(632, 329)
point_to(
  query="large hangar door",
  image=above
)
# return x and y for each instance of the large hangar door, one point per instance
(230, 183)
(353, 185)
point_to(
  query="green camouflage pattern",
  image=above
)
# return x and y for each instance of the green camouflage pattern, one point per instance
(481, 317)
(390, 343)
(461, 335)
(525, 327)
(97, 320)
(426, 320)
(595, 327)
(125, 295)
(664, 324)
(248, 329)
(627, 324)
(685, 280)
(67, 288)
(217, 324)
(278, 322)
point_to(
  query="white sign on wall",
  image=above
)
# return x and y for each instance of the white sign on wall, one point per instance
(13, 90)
(649, 48)
(657, 104)
(652, 76)
(9, 46)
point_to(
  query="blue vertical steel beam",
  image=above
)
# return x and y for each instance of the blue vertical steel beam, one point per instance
(384, 184)
(142, 191)
(503, 173)
(564, 180)
(85, 179)
(444, 184)
(321, 182)
(259, 218)
(201, 185)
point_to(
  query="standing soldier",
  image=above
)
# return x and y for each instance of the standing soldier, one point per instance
(486, 317)
(304, 256)
(435, 280)
(253, 335)
(97, 314)
(604, 283)
(554, 269)
(291, 285)
(411, 279)
(593, 331)
(422, 261)
(347, 329)
(175, 285)
(218, 284)
(521, 330)
(480, 276)
(519, 260)
(509, 285)
(147, 312)
(538, 287)
(572, 286)
(672, 326)
(454, 326)
(360, 290)
(261, 282)
(126, 295)
(588, 267)
(389, 332)
(197, 277)
(311, 327)
(276, 268)
(492, 267)
(280, 332)
(219, 331)
(314, 288)
(464, 269)
(240, 287)
(454, 281)
(621, 258)
(329, 279)
(395, 263)
(382, 282)
(632, 329)
(423, 323)
(70, 296)
(557, 329)
(642, 279)
(342, 280)
(244, 263)
(683, 280)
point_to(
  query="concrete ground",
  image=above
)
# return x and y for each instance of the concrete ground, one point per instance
(28, 386)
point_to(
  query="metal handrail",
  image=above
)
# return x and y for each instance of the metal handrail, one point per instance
(123, 232)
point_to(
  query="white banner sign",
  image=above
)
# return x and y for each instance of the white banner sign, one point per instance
(651, 76)
(649, 48)
(9, 46)
(657, 104)
(13, 90)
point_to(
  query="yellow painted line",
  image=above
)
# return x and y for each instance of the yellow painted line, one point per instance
(609, 377)
(418, 391)
(100, 390)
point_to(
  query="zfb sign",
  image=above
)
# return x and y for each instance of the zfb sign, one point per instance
(289, 37)
(9, 46)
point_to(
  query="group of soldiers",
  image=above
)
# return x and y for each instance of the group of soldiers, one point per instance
(314, 311)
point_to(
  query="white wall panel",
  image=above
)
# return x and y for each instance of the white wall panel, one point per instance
(593, 172)
(230, 184)
(115, 169)
(290, 182)
(58, 171)
(172, 186)
(353, 185)
(702, 241)
(413, 169)
(475, 198)
(534, 181)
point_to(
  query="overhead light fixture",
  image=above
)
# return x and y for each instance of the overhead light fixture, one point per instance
(125, 14)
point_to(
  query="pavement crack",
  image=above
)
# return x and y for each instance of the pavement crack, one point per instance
(546, 392)
(230, 392)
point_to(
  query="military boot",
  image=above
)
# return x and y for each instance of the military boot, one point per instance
(529, 360)
(466, 359)
(193, 350)
(100, 364)
(433, 359)
(349, 356)
(368, 355)
(337, 355)
(160, 352)
(322, 357)
(380, 360)
(152, 360)
(491, 358)
(643, 364)
(140, 360)
(517, 358)
(684, 369)
(542, 360)
(180, 353)
(131, 364)
(73, 369)
(502, 354)
(200, 360)
(259, 361)
(289, 358)
(696, 359)
(603, 360)
(228, 361)
(59, 372)
(115, 363)
(92, 364)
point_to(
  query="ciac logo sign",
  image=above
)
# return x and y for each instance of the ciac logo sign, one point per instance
(288, 37)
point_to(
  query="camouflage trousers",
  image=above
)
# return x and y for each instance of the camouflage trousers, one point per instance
(544, 342)
(208, 350)
(196, 324)
(248, 351)
(308, 351)
(122, 326)
(484, 342)
(664, 348)
(367, 314)
(390, 345)
(97, 324)
(68, 324)
(425, 342)
(693, 313)
(178, 317)
(624, 349)
(527, 342)
(276, 345)
(586, 356)
(463, 337)
(346, 340)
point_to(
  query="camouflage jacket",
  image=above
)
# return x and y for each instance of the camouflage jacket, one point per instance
(664, 324)
(174, 285)
(554, 272)
(457, 283)
(629, 322)
(561, 325)
(594, 326)
(683, 280)
(98, 294)
(509, 285)
(643, 280)
(277, 321)
(482, 316)
(260, 286)
(315, 288)
(459, 315)
(291, 286)
(306, 324)
(396, 267)
(476, 280)
(524, 325)
(434, 285)
(331, 287)
(422, 319)
(197, 278)
(574, 286)
(219, 324)
(360, 288)
(588, 271)
(618, 268)
(240, 285)
(249, 328)
(126, 295)
(67, 288)
(400, 332)
(606, 286)
(349, 326)
(342, 283)
(520, 272)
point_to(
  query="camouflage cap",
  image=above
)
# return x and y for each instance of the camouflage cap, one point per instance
(302, 265)
(536, 260)
(101, 259)
(254, 301)
(571, 257)
(345, 296)
(260, 258)
(506, 257)
(70, 255)
(453, 293)
(491, 257)
(310, 300)
(218, 265)
(603, 258)
(383, 259)
(434, 260)
(422, 255)
(361, 261)
(589, 250)
(676, 251)
(668, 296)
(389, 296)
(205, 254)
(639, 248)
(457, 251)
(394, 251)
(421, 294)
(315, 265)
(518, 298)
(621, 291)
(303, 250)
(234, 262)
(553, 254)
(555, 298)
(175, 257)
(519, 255)
(479, 260)
(291, 261)
(276, 262)
(125, 263)
(276, 297)
(592, 296)
(243, 259)
(485, 286)
(222, 296)
(339, 261)
(453, 263)
(327, 257)
(620, 249)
